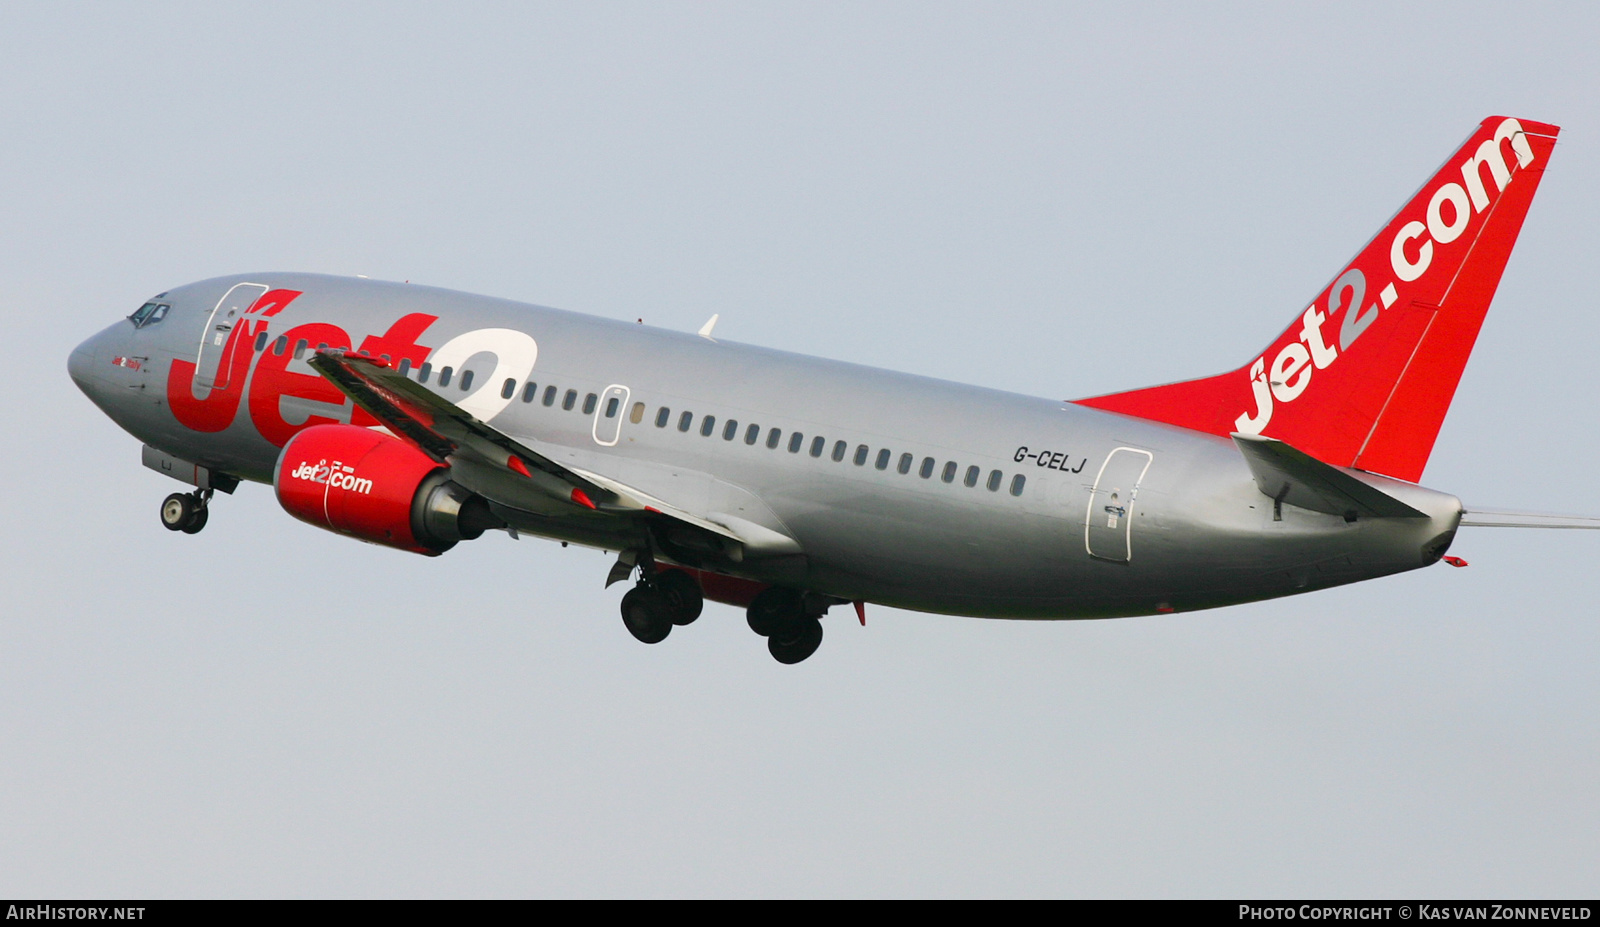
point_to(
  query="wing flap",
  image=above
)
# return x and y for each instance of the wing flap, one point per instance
(638, 500)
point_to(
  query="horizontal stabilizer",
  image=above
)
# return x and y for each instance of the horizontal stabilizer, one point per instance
(1285, 474)
(1493, 518)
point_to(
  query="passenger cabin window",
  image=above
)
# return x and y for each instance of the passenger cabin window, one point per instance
(637, 415)
(422, 372)
(685, 420)
(508, 388)
(994, 480)
(405, 364)
(882, 462)
(730, 429)
(662, 416)
(1017, 484)
(905, 464)
(466, 380)
(817, 444)
(752, 434)
(589, 402)
(549, 396)
(927, 468)
(261, 342)
(530, 391)
(971, 479)
(708, 425)
(772, 438)
(569, 400)
(613, 406)
(949, 474)
(300, 349)
(795, 440)
(839, 447)
(282, 345)
(861, 454)
(444, 375)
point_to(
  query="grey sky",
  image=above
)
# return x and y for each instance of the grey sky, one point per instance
(1051, 200)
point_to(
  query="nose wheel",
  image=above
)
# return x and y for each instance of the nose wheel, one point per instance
(186, 511)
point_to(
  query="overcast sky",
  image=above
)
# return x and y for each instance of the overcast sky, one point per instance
(1057, 201)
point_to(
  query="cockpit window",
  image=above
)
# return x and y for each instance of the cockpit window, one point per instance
(149, 314)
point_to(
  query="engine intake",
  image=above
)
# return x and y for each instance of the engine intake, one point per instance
(368, 485)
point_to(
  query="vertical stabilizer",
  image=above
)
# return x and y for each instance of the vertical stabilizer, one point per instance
(1364, 376)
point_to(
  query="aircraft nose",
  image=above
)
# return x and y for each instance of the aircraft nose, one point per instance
(81, 365)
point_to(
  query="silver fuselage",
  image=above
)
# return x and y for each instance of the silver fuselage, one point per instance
(1114, 516)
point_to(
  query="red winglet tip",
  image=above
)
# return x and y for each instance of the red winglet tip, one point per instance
(861, 611)
(580, 497)
(651, 508)
(1455, 561)
(516, 464)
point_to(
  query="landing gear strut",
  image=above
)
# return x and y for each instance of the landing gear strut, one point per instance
(788, 621)
(662, 599)
(186, 511)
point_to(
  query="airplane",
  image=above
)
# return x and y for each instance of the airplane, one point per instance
(416, 418)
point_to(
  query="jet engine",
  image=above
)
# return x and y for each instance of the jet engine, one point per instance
(368, 485)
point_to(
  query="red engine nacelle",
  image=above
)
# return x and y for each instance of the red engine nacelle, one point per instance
(368, 485)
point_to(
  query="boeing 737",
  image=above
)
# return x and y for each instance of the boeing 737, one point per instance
(417, 418)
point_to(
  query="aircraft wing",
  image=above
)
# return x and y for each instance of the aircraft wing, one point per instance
(444, 431)
(1286, 474)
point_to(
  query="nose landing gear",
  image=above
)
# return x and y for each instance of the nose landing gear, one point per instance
(186, 511)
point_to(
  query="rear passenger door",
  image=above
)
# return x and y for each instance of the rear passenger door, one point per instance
(1108, 525)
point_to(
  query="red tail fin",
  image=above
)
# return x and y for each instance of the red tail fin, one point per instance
(1363, 378)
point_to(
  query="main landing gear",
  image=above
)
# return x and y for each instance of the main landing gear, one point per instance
(662, 599)
(789, 621)
(186, 511)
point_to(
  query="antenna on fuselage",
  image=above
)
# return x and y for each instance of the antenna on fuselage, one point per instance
(705, 330)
